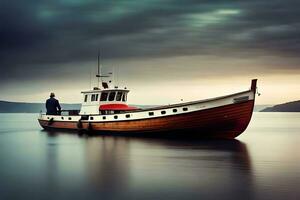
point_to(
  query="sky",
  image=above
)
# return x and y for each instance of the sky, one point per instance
(162, 50)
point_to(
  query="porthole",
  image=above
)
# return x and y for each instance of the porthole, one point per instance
(163, 112)
(127, 116)
(62, 117)
(104, 117)
(151, 113)
(116, 116)
(174, 110)
(48, 117)
(185, 109)
(91, 118)
(70, 118)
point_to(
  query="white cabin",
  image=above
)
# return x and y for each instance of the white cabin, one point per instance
(94, 99)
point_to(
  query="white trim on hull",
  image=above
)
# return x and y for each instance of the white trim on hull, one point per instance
(159, 111)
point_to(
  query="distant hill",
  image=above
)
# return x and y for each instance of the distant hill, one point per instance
(20, 107)
(258, 108)
(293, 106)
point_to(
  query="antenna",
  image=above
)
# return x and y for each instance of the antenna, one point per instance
(98, 72)
(114, 83)
(117, 76)
(91, 77)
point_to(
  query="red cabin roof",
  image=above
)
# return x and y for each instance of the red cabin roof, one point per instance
(117, 107)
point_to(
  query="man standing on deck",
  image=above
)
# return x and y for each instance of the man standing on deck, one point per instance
(52, 105)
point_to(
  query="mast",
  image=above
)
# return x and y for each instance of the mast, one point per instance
(98, 72)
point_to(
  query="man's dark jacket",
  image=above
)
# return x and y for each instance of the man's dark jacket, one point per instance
(53, 107)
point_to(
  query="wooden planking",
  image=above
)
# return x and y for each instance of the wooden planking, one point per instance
(237, 120)
(58, 124)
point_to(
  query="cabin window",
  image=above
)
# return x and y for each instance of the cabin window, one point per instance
(103, 96)
(85, 98)
(62, 117)
(185, 109)
(111, 96)
(91, 118)
(124, 98)
(127, 116)
(70, 118)
(163, 112)
(94, 97)
(119, 96)
(151, 113)
(116, 116)
(104, 117)
(174, 110)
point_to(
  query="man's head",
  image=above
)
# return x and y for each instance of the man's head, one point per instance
(52, 94)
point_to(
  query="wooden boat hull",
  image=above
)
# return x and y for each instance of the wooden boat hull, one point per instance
(223, 117)
(222, 122)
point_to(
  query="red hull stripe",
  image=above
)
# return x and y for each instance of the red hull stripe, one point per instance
(117, 107)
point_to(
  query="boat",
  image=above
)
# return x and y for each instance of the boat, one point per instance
(104, 110)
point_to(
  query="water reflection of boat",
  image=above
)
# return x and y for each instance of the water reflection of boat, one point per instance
(104, 110)
(238, 152)
(139, 168)
(116, 164)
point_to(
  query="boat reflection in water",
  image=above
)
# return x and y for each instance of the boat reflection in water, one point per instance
(149, 168)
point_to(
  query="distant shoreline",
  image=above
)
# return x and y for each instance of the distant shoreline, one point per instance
(293, 106)
(23, 107)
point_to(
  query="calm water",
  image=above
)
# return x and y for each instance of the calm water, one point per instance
(263, 163)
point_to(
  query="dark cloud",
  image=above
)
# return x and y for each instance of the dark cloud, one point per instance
(36, 34)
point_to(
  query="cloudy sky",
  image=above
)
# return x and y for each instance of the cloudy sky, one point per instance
(163, 50)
